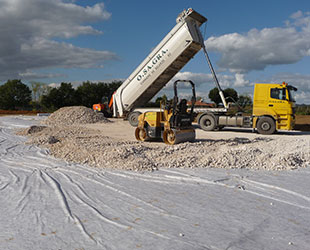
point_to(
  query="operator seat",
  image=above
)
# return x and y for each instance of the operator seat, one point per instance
(182, 106)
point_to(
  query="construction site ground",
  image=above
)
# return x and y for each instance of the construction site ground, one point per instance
(231, 189)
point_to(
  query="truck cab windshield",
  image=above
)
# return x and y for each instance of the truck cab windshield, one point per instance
(281, 94)
(291, 94)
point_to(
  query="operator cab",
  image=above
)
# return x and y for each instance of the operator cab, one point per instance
(284, 92)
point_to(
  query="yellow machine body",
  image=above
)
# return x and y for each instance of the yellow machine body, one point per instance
(173, 125)
(156, 125)
(274, 100)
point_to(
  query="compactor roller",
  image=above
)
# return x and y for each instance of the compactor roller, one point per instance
(175, 136)
(173, 125)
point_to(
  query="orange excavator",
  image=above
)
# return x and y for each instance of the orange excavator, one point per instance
(104, 106)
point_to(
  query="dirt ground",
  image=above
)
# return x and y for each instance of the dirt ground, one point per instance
(122, 130)
(17, 112)
(79, 135)
(302, 122)
(113, 145)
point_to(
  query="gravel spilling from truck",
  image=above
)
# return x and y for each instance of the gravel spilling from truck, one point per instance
(80, 144)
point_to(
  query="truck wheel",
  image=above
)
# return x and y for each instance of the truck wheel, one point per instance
(207, 122)
(266, 126)
(133, 118)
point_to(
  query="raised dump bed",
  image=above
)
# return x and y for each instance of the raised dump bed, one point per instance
(170, 55)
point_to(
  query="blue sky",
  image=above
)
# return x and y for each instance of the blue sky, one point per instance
(73, 41)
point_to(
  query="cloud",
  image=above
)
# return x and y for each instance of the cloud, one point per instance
(257, 49)
(201, 79)
(297, 15)
(302, 82)
(34, 75)
(76, 84)
(204, 83)
(29, 29)
(240, 81)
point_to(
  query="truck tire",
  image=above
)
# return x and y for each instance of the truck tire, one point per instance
(133, 118)
(207, 122)
(266, 126)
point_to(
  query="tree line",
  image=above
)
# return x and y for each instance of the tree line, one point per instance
(15, 95)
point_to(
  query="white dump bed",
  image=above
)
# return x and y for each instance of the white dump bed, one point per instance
(170, 55)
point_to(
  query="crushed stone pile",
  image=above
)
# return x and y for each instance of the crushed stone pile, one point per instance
(31, 130)
(74, 115)
(89, 146)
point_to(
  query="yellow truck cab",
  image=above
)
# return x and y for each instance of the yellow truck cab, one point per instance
(273, 107)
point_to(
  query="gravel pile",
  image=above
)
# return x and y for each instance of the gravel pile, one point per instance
(31, 130)
(74, 115)
(87, 146)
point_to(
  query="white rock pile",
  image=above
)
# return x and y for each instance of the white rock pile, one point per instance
(74, 115)
(67, 139)
(87, 146)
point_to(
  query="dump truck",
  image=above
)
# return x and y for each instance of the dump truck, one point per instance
(273, 109)
(178, 47)
(174, 51)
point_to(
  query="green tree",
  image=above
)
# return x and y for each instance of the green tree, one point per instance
(90, 93)
(65, 95)
(244, 100)
(38, 90)
(303, 109)
(14, 95)
(113, 86)
(49, 101)
(68, 95)
(230, 95)
(215, 96)
(87, 94)
(162, 98)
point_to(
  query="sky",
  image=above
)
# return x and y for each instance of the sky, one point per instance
(54, 41)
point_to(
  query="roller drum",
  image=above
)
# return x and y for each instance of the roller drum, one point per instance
(175, 136)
